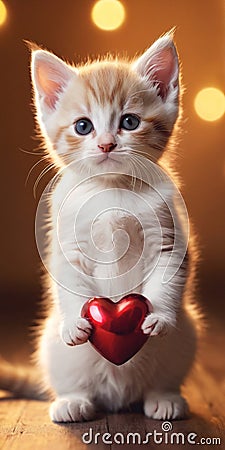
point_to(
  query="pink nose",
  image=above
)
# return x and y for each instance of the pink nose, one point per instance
(106, 148)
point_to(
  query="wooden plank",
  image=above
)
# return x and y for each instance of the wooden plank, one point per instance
(25, 425)
(10, 414)
(126, 429)
(94, 430)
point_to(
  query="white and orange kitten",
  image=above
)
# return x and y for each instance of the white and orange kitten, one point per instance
(114, 220)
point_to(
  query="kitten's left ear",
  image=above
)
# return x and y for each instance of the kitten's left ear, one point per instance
(50, 76)
(159, 66)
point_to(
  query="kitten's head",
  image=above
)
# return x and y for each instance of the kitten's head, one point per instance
(102, 115)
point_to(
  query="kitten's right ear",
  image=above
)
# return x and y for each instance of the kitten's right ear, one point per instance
(50, 76)
(159, 66)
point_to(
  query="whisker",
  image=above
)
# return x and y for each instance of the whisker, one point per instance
(148, 156)
(29, 152)
(33, 167)
(133, 178)
(154, 176)
(139, 165)
(137, 168)
(43, 172)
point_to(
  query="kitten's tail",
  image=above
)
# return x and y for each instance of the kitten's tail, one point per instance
(21, 381)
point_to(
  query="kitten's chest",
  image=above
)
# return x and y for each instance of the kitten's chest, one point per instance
(109, 230)
(106, 225)
(104, 216)
(116, 246)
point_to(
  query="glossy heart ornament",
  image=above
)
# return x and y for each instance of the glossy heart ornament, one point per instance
(116, 327)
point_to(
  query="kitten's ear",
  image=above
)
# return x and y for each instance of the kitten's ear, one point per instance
(159, 66)
(50, 75)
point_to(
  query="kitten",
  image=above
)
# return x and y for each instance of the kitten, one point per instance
(114, 220)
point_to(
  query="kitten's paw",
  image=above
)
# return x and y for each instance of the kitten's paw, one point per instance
(155, 325)
(165, 406)
(75, 332)
(71, 409)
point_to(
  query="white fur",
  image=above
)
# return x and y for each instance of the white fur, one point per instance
(81, 379)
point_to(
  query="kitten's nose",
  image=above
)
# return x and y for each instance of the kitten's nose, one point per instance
(106, 148)
(107, 143)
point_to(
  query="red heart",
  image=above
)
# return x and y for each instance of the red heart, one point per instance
(117, 333)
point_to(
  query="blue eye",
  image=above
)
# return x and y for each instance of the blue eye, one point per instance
(83, 126)
(129, 122)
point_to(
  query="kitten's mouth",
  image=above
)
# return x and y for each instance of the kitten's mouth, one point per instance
(108, 158)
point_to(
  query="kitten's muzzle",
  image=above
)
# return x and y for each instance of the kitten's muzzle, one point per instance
(106, 142)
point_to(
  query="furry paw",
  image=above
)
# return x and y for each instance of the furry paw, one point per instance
(165, 406)
(71, 409)
(75, 332)
(154, 325)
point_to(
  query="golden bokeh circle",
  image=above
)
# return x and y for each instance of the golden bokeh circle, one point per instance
(108, 14)
(210, 104)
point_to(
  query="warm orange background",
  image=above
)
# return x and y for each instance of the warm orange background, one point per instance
(66, 28)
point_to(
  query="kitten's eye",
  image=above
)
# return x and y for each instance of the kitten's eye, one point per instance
(129, 122)
(83, 126)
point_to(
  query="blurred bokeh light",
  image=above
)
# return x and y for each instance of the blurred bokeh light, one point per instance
(108, 14)
(3, 13)
(210, 104)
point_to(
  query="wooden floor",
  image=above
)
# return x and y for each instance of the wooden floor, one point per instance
(26, 424)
